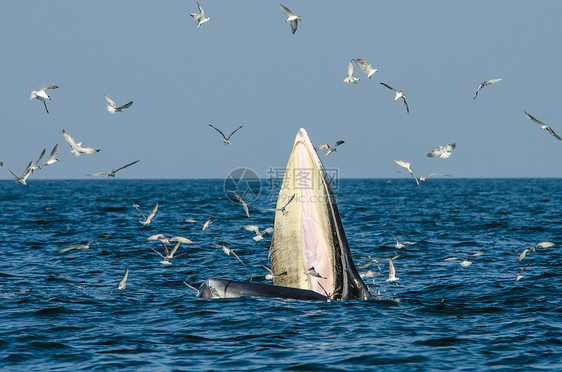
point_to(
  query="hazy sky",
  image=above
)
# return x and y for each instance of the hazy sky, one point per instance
(244, 67)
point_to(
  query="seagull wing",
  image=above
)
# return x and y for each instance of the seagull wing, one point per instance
(287, 11)
(158, 253)
(339, 143)
(125, 166)
(69, 139)
(234, 131)
(126, 105)
(53, 154)
(244, 205)
(50, 87)
(363, 65)
(549, 129)
(294, 26)
(235, 255)
(403, 164)
(269, 230)
(86, 150)
(290, 200)
(152, 213)
(523, 254)
(69, 248)
(110, 102)
(201, 10)
(523, 269)
(253, 228)
(389, 87)
(123, 282)
(391, 270)
(453, 259)
(350, 69)
(534, 119)
(181, 239)
(218, 130)
(406, 104)
(324, 146)
(40, 156)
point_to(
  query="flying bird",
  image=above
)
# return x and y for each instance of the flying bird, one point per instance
(82, 246)
(519, 276)
(226, 140)
(256, 229)
(113, 108)
(35, 164)
(77, 148)
(391, 273)
(42, 95)
(377, 260)
(200, 17)
(399, 244)
(464, 261)
(422, 179)
(543, 245)
(229, 251)
(204, 224)
(111, 174)
(168, 255)
(314, 273)
(241, 201)
(123, 282)
(543, 126)
(26, 174)
(406, 165)
(399, 94)
(442, 151)
(350, 78)
(147, 219)
(53, 156)
(328, 149)
(482, 85)
(291, 17)
(365, 67)
(283, 209)
(270, 274)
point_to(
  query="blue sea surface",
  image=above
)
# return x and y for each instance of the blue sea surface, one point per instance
(439, 315)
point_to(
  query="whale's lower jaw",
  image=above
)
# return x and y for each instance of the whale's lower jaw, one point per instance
(221, 288)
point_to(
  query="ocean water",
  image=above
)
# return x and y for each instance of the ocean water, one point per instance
(440, 315)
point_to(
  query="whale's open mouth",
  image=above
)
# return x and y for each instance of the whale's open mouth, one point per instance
(308, 234)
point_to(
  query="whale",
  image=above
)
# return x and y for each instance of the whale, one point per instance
(309, 246)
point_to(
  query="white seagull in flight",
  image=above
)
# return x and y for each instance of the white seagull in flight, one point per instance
(200, 17)
(113, 108)
(26, 174)
(147, 219)
(365, 67)
(77, 148)
(399, 94)
(291, 17)
(35, 164)
(350, 78)
(111, 174)
(464, 261)
(53, 156)
(391, 273)
(82, 246)
(42, 95)
(228, 251)
(204, 224)
(226, 139)
(442, 151)
(519, 276)
(406, 165)
(283, 209)
(242, 202)
(170, 254)
(482, 85)
(327, 147)
(256, 229)
(543, 126)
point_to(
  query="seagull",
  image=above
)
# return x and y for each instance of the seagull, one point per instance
(259, 234)
(400, 245)
(35, 164)
(399, 94)
(377, 260)
(365, 67)
(422, 179)
(283, 208)
(228, 251)
(391, 273)
(328, 149)
(26, 174)
(200, 17)
(42, 95)
(350, 78)
(543, 126)
(170, 254)
(519, 276)
(82, 246)
(313, 272)
(482, 85)
(244, 205)
(465, 262)
(406, 165)
(82, 287)
(123, 282)
(291, 17)
(53, 156)
(77, 148)
(226, 140)
(113, 108)
(205, 224)
(270, 274)
(370, 274)
(543, 245)
(147, 219)
(111, 174)
(443, 151)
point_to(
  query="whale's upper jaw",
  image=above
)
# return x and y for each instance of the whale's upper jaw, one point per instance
(311, 234)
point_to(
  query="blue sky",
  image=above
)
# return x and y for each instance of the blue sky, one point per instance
(244, 67)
